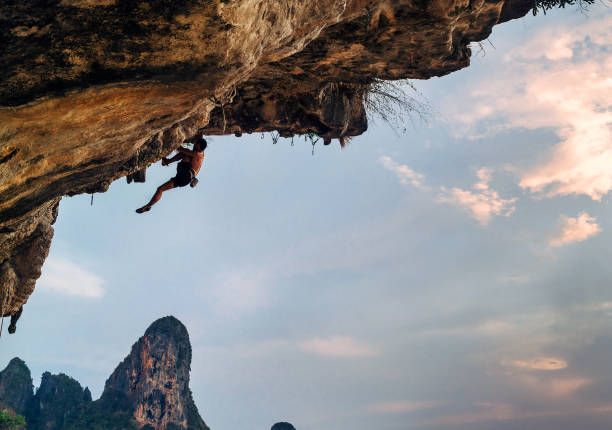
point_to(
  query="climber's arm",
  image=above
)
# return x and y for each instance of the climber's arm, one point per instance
(185, 151)
(177, 157)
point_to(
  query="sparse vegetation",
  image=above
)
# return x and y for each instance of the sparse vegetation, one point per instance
(10, 421)
(395, 101)
(112, 411)
(545, 5)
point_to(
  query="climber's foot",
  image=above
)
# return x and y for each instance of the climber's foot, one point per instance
(164, 161)
(12, 328)
(143, 209)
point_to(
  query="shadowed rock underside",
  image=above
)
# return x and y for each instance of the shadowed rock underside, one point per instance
(94, 90)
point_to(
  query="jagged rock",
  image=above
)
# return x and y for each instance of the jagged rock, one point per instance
(86, 395)
(58, 399)
(24, 246)
(155, 378)
(16, 388)
(94, 90)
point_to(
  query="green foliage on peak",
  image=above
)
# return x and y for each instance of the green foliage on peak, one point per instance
(10, 421)
(111, 412)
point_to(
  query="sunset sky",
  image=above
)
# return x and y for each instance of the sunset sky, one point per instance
(452, 276)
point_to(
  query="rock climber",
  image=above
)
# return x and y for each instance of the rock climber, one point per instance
(186, 170)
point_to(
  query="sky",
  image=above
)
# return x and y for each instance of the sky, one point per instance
(453, 275)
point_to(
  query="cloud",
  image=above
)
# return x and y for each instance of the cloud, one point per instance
(551, 387)
(576, 229)
(559, 79)
(481, 202)
(538, 363)
(240, 291)
(490, 411)
(486, 328)
(602, 306)
(483, 411)
(402, 406)
(65, 277)
(404, 173)
(337, 346)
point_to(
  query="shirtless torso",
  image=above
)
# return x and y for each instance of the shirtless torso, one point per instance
(194, 158)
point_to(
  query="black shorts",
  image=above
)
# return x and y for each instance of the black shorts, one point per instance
(183, 175)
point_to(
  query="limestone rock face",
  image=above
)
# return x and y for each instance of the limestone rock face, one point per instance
(94, 90)
(24, 246)
(155, 378)
(16, 386)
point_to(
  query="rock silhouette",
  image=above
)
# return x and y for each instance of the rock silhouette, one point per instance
(282, 426)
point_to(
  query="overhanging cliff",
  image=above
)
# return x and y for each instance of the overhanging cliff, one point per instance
(93, 90)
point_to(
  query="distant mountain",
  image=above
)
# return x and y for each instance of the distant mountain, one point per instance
(16, 386)
(148, 390)
(155, 378)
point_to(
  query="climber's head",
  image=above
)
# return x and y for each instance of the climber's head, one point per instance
(200, 144)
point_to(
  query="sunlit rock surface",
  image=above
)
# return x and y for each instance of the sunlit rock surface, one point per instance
(155, 378)
(94, 90)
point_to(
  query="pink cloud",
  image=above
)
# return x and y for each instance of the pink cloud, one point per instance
(337, 346)
(481, 202)
(404, 173)
(575, 229)
(402, 406)
(489, 411)
(559, 79)
(538, 363)
(551, 387)
(483, 411)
